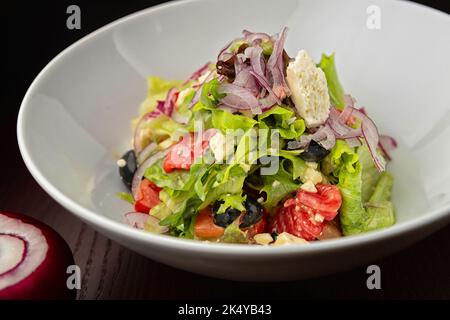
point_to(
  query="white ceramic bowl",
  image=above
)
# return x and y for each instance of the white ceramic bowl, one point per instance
(74, 121)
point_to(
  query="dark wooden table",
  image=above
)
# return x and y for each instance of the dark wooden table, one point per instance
(110, 271)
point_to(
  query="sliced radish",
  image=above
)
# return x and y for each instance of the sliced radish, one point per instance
(33, 260)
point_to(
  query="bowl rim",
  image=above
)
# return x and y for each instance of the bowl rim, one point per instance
(122, 230)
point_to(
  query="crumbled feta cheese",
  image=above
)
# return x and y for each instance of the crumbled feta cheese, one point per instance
(263, 238)
(309, 187)
(312, 165)
(287, 238)
(121, 163)
(309, 90)
(319, 217)
(276, 183)
(313, 175)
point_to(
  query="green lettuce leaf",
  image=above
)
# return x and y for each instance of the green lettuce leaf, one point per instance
(224, 185)
(210, 95)
(342, 157)
(335, 89)
(161, 128)
(231, 200)
(278, 186)
(357, 216)
(125, 196)
(175, 180)
(298, 165)
(225, 120)
(282, 119)
(157, 90)
(232, 234)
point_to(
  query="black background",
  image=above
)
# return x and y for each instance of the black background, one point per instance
(36, 32)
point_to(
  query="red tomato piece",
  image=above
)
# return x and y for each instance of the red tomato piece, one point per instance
(205, 228)
(305, 215)
(147, 196)
(183, 154)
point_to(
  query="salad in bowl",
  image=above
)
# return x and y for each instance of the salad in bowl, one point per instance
(257, 147)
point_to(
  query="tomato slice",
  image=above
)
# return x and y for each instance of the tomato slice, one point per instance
(182, 155)
(326, 201)
(300, 216)
(205, 228)
(147, 196)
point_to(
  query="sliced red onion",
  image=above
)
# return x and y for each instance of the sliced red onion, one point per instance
(324, 136)
(140, 220)
(263, 82)
(340, 129)
(238, 97)
(146, 152)
(345, 115)
(136, 219)
(363, 110)
(196, 97)
(255, 36)
(169, 104)
(371, 136)
(139, 174)
(222, 51)
(239, 63)
(349, 101)
(353, 142)
(387, 144)
(245, 79)
(278, 48)
(275, 67)
(330, 140)
(180, 118)
(138, 132)
(256, 60)
(198, 73)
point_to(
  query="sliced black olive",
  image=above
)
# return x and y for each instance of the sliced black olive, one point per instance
(253, 213)
(129, 168)
(314, 152)
(216, 205)
(226, 218)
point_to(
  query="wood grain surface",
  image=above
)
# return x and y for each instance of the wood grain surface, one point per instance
(110, 271)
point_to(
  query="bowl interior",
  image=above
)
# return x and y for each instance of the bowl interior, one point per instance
(76, 117)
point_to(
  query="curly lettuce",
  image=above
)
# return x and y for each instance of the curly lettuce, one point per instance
(157, 90)
(366, 193)
(284, 120)
(335, 89)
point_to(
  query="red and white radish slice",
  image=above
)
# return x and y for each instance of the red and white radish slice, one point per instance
(33, 260)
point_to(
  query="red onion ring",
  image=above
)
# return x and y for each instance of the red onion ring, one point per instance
(198, 73)
(139, 174)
